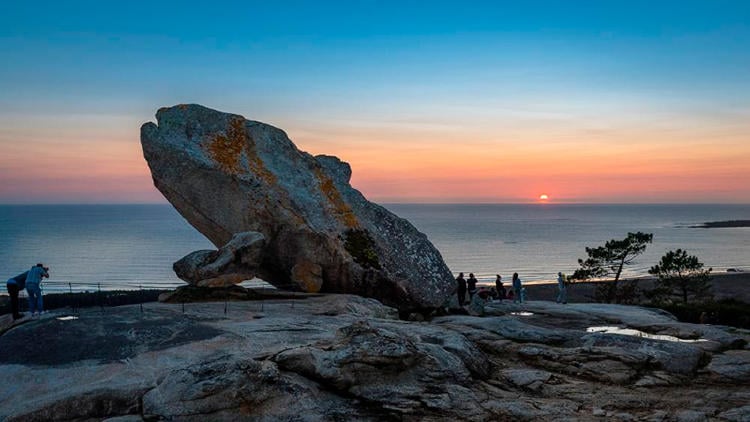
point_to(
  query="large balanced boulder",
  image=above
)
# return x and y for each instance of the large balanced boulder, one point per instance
(308, 228)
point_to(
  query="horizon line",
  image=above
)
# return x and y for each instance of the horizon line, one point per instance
(394, 203)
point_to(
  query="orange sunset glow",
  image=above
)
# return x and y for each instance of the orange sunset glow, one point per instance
(453, 163)
(497, 164)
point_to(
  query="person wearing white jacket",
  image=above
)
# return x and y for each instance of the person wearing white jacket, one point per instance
(34, 288)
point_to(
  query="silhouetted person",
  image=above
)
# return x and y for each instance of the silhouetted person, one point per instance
(15, 285)
(562, 295)
(499, 288)
(517, 286)
(461, 289)
(472, 283)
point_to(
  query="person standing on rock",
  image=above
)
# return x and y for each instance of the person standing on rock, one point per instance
(562, 295)
(499, 288)
(34, 288)
(472, 283)
(15, 285)
(461, 282)
(517, 286)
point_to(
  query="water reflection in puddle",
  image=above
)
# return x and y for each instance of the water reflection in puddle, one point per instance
(638, 333)
(67, 318)
(522, 313)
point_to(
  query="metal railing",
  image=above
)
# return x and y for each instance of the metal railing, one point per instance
(61, 294)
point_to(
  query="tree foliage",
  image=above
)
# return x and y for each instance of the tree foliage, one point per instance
(680, 276)
(608, 261)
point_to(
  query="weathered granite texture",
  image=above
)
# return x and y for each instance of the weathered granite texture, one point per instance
(227, 175)
(341, 357)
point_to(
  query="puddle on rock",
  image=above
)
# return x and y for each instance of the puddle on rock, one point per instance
(522, 313)
(637, 333)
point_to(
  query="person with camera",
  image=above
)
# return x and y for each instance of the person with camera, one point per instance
(34, 288)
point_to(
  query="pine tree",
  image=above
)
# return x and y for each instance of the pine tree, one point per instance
(609, 261)
(681, 276)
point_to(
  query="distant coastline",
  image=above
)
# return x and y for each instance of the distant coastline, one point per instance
(725, 285)
(722, 224)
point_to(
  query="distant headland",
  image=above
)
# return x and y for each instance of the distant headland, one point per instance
(722, 224)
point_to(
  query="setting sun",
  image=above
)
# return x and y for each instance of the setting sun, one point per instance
(543, 197)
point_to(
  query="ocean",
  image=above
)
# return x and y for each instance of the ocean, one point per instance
(132, 246)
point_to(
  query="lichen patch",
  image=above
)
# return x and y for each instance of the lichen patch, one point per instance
(226, 149)
(341, 209)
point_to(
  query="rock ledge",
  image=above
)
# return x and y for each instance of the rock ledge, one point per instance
(340, 357)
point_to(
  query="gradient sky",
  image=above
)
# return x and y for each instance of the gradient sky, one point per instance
(587, 101)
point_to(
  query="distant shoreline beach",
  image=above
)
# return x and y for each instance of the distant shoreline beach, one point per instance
(724, 286)
(723, 224)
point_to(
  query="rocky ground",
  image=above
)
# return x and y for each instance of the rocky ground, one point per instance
(340, 357)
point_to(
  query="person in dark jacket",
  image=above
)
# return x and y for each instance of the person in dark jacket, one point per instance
(499, 288)
(472, 283)
(461, 282)
(15, 285)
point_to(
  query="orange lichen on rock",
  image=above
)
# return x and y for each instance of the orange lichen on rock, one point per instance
(340, 208)
(226, 149)
(308, 276)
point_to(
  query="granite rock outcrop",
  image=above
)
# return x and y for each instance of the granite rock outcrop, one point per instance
(343, 357)
(227, 175)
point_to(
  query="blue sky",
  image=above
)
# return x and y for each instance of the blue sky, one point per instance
(134, 52)
(374, 71)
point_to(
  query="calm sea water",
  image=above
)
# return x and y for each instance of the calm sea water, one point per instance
(538, 240)
(126, 246)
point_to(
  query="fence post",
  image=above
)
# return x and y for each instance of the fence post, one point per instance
(72, 299)
(99, 293)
